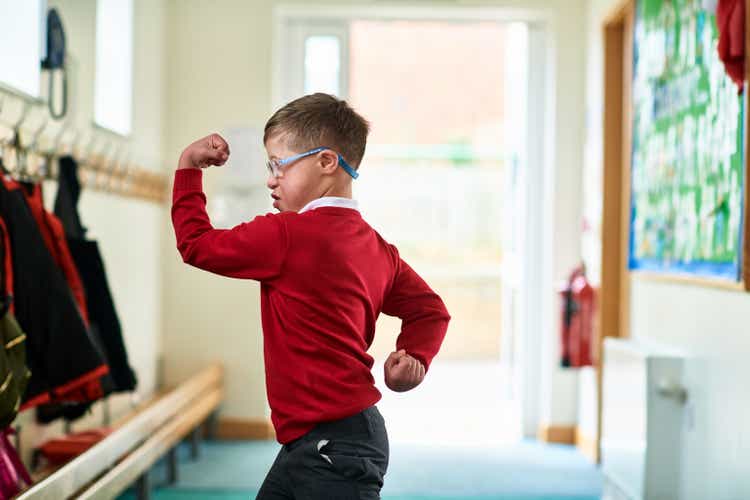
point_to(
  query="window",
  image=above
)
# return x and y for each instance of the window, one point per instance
(313, 57)
(114, 65)
(322, 65)
(24, 44)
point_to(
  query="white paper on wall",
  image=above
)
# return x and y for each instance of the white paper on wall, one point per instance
(241, 191)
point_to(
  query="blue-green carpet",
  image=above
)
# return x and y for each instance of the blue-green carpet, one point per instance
(522, 471)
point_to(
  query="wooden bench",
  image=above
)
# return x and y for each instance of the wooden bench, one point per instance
(126, 455)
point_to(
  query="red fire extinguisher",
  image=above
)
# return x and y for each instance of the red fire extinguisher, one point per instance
(577, 322)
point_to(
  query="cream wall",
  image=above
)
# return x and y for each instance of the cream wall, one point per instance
(219, 76)
(128, 230)
(709, 325)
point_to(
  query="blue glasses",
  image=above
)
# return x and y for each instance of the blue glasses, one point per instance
(275, 166)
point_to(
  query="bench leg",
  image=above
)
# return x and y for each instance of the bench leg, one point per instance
(143, 487)
(106, 413)
(195, 441)
(172, 466)
(36, 458)
(17, 439)
(213, 424)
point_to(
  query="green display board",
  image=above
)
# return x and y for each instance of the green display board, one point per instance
(688, 163)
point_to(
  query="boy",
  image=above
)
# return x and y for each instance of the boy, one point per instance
(325, 277)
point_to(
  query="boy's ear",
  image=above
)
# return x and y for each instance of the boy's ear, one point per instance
(329, 161)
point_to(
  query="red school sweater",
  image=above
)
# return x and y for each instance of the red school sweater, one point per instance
(325, 276)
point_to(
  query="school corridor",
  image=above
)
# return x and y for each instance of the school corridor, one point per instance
(360, 249)
(521, 471)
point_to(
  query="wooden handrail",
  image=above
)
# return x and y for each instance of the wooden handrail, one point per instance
(171, 410)
(142, 458)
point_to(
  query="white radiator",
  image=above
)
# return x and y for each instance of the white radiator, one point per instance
(642, 408)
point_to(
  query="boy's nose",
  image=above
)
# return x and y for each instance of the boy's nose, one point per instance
(272, 182)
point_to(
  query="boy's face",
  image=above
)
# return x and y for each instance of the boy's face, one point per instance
(300, 182)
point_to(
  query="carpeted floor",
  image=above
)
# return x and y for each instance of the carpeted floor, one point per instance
(521, 471)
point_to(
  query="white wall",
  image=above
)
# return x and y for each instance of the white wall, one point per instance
(128, 230)
(709, 325)
(219, 69)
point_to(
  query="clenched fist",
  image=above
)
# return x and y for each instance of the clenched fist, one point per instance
(211, 150)
(402, 372)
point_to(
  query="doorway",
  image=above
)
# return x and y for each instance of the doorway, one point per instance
(446, 178)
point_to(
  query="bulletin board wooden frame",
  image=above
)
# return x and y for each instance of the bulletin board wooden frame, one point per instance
(742, 283)
(614, 290)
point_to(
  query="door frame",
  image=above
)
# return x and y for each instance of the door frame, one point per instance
(614, 305)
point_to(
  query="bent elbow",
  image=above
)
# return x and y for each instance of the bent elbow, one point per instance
(187, 252)
(442, 311)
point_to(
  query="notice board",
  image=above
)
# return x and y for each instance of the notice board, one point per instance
(688, 166)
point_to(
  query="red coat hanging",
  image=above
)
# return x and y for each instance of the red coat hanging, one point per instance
(54, 238)
(730, 19)
(7, 267)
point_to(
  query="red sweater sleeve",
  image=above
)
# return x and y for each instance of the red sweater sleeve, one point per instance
(423, 314)
(253, 250)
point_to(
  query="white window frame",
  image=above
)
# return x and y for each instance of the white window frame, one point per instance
(296, 31)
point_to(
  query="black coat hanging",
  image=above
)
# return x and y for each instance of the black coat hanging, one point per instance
(102, 314)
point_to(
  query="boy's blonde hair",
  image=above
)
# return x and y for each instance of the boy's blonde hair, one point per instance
(321, 120)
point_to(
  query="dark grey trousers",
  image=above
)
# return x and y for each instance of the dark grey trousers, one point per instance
(341, 460)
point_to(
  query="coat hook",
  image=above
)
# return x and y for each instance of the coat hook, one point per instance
(37, 134)
(90, 147)
(54, 150)
(24, 113)
(58, 138)
(106, 162)
(114, 166)
(32, 149)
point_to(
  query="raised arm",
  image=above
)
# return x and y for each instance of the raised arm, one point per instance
(253, 250)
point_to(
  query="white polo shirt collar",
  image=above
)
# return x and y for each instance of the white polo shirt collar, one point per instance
(331, 201)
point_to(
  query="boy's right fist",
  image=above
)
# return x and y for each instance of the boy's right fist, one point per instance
(211, 150)
(403, 372)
